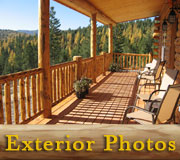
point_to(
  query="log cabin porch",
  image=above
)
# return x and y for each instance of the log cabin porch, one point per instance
(26, 95)
(105, 104)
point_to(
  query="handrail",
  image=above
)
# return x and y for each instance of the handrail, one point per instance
(62, 78)
(20, 93)
(13, 76)
(62, 64)
(132, 54)
(131, 61)
(20, 96)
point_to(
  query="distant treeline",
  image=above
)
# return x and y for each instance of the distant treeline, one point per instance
(19, 51)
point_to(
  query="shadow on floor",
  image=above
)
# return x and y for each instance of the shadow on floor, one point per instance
(105, 104)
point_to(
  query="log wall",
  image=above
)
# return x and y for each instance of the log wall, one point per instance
(172, 43)
(177, 62)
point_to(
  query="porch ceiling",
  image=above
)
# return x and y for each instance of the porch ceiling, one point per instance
(116, 11)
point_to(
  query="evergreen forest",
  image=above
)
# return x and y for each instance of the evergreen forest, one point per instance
(19, 51)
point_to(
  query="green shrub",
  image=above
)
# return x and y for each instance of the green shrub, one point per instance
(114, 67)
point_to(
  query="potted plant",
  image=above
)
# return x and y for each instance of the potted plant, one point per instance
(86, 81)
(114, 67)
(79, 88)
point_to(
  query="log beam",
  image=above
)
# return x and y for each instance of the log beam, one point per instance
(93, 36)
(110, 48)
(44, 56)
(85, 7)
(93, 43)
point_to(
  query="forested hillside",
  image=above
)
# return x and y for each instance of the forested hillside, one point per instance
(18, 51)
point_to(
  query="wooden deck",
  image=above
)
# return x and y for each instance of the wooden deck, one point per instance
(105, 104)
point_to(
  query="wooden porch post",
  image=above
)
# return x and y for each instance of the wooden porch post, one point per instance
(110, 48)
(104, 63)
(172, 50)
(78, 59)
(93, 44)
(44, 57)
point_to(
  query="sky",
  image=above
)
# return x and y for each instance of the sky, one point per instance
(23, 15)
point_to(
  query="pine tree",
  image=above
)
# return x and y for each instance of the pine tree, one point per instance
(55, 37)
(118, 39)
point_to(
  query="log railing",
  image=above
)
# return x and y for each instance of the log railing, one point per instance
(20, 96)
(87, 68)
(99, 65)
(63, 75)
(20, 93)
(62, 78)
(108, 61)
(131, 61)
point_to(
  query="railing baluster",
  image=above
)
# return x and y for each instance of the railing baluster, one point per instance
(69, 83)
(146, 59)
(1, 107)
(33, 85)
(70, 77)
(126, 61)
(54, 84)
(28, 97)
(22, 99)
(61, 88)
(119, 59)
(65, 78)
(139, 59)
(18, 108)
(136, 62)
(15, 97)
(63, 82)
(123, 61)
(7, 95)
(58, 85)
(66, 74)
(133, 64)
(74, 69)
(38, 92)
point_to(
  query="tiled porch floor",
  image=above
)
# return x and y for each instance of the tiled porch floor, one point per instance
(105, 104)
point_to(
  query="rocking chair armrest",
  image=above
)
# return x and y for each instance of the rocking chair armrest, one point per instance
(142, 109)
(142, 69)
(145, 78)
(136, 107)
(147, 84)
(151, 105)
(152, 69)
(158, 90)
(147, 73)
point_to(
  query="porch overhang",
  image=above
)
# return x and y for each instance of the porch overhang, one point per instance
(116, 11)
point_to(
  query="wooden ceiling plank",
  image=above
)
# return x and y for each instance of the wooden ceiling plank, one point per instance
(88, 9)
(126, 10)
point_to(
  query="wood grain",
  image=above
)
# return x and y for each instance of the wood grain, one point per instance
(7, 94)
(95, 133)
(1, 107)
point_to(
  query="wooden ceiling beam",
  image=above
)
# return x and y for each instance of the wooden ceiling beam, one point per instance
(88, 9)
